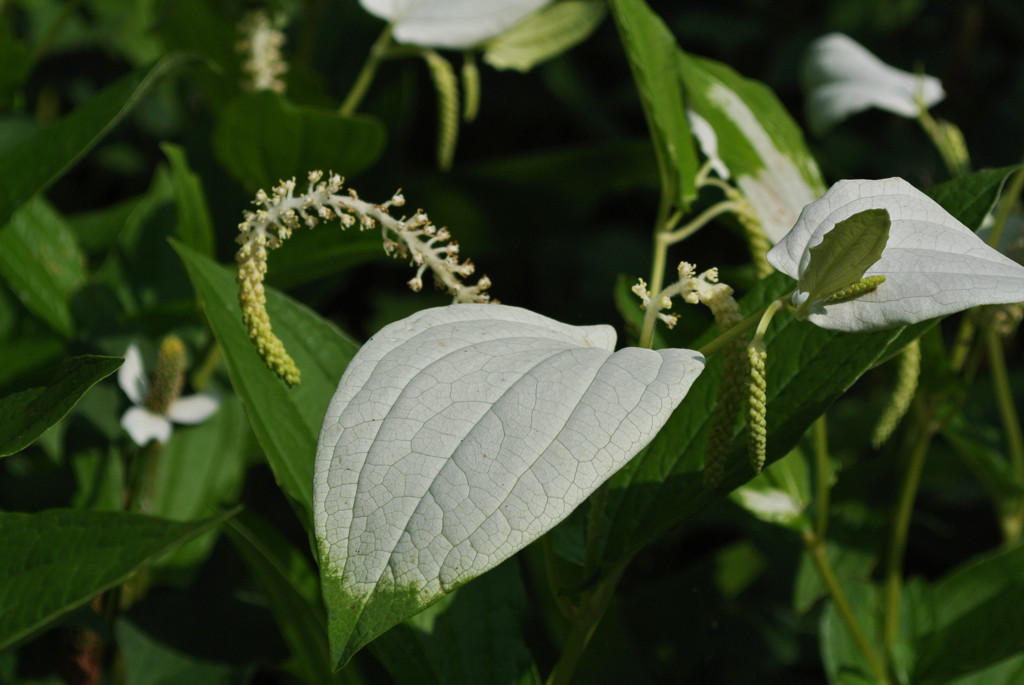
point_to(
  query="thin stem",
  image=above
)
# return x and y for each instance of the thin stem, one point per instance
(590, 614)
(1012, 522)
(816, 548)
(594, 518)
(901, 524)
(821, 484)
(660, 256)
(362, 84)
(732, 333)
(567, 609)
(699, 222)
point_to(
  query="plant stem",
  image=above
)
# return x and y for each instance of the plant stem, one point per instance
(377, 53)
(1012, 522)
(698, 222)
(732, 333)
(816, 548)
(821, 484)
(901, 524)
(590, 612)
(594, 518)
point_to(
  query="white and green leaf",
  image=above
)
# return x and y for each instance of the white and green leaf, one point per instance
(452, 24)
(458, 436)
(932, 263)
(546, 34)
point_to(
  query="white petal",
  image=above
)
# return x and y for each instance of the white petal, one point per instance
(933, 264)
(193, 409)
(461, 434)
(131, 377)
(708, 141)
(143, 425)
(841, 77)
(451, 23)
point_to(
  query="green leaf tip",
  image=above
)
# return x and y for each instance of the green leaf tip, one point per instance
(845, 253)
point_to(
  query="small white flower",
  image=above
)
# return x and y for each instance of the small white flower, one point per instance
(454, 24)
(143, 423)
(933, 265)
(841, 77)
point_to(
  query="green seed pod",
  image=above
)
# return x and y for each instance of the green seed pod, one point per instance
(866, 285)
(757, 398)
(907, 374)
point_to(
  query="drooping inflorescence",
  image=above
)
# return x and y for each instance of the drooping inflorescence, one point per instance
(757, 405)
(261, 44)
(279, 214)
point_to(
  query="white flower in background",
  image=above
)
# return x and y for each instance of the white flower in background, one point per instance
(454, 24)
(932, 264)
(708, 142)
(841, 77)
(159, 403)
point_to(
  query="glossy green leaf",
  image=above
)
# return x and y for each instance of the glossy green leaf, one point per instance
(56, 560)
(845, 253)
(758, 141)
(195, 228)
(34, 407)
(326, 251)
(970, 198)
(546, 34)
(53, 150)
(472, 636)
(290, 585)
(286, 420)
(42, 263)
(976, 613)
(780, 494)
(652, 50)
(261, 139)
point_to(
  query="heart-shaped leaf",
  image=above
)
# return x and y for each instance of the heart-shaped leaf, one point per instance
(458, 436)
(933, 264)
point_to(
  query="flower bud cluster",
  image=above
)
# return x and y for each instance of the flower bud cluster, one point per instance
(280, 213)
(168, 377)
(261, 44)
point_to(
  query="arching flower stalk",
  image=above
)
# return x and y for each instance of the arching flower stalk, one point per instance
(261, 44)
(279, 214)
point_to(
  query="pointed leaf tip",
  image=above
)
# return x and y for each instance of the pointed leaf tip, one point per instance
(461, 434)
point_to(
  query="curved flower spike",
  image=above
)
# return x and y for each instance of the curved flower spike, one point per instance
(841, 78)
(458, 436)
(454, 24)
(933, 265)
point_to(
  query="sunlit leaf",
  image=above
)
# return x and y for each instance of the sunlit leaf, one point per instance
(450, 23)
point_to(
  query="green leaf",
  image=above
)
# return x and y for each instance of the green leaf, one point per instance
(290, 584)
(261, 138)
(52, 151)
(555, 29)
(758, 141)
(845, 253)
(56, 560)
(29, 411)
(286, 420)
(780, 494)
(474, 635)
(843, 660)
(42, 263)
(195, 228)
(977, 619)
(652, 51)
(311, 255)
(972, 195)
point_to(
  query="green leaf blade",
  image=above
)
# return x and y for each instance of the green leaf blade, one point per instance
(59, 559)
(845, 253)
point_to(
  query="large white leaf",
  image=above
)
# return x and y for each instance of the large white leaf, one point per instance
(461, 434)
(932, 263)
(452, 24)
(841, 77)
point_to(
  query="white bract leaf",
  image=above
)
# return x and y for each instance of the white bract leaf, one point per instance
(933, 264)
(455, 24)
(841, 77)
(461, 434)
(708, 142)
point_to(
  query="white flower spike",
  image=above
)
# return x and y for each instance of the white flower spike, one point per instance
(461, 434)
(156, 407)
(933, 265)
(841, 78)
(453, 24)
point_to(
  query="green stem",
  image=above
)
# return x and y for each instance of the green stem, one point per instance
(660, 256)
(594, 518)
(591, 611)
(1012, 522)
(816, 548)
(362, 84)
(699, 222)
(901, 524)
(732, 333)
(821, 484)
(565, 607)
